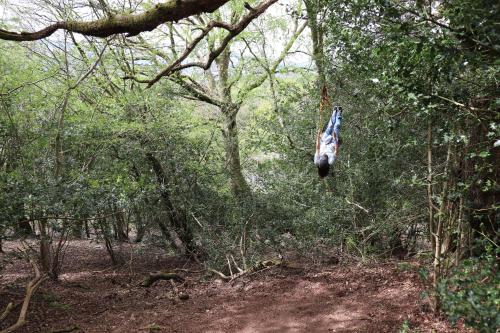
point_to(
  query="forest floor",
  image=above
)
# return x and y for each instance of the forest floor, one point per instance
(298, 297)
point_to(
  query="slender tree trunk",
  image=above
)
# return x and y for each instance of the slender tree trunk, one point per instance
(239, 186)
(179, 229)
(58, 255)
(439, 232)
(77, 229)
(87, 229)
(23, 226)
(140, 225)
(59, 152)
(45, 250)
(116, 258)
(121, 226)
(429, 185)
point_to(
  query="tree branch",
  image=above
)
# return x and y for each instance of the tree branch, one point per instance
(234, 30)
(259, 81)
(195, 92)
(172, 10)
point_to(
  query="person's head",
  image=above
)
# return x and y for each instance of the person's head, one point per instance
(323, 166)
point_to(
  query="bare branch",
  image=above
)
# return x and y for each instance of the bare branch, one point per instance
(27, 84)
(194, 91)
(90, 70)
(234, 30)
(259, 81)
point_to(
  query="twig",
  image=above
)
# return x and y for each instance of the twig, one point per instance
(197, 221)
(27, 84)
(357, 205)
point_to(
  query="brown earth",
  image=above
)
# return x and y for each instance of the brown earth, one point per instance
(94, 297)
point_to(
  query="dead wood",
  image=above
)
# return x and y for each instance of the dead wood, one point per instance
(6, 312)
(31, 288)
(66, 330)
(259, 266)
(153, 277)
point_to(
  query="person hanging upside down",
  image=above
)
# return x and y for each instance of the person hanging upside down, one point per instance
(327, 143)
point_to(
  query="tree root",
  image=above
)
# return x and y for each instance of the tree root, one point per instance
(153, 277)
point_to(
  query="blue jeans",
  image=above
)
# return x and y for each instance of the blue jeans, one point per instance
(333, 125)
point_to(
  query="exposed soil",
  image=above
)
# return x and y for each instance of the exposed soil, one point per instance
(93, 297)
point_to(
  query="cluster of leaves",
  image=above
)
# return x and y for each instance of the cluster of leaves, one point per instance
(471, 292)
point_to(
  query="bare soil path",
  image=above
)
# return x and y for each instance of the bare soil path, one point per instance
(93, 297)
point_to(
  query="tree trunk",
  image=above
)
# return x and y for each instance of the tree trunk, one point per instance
(316, 26)
(140, 226)
(121, 226)
(87, 229)
(45, 249)
(77, 229)
(176, 219)
(429, 185)
(23, 226)
(481, 213)
(239, 186)
(172, 236)
(116, 258)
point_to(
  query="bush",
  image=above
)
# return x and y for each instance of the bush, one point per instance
(472, 292)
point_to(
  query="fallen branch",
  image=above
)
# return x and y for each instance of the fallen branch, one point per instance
(6, 312)
(31, 288)
(260, 266)
(153, 277)
(357, 205)
(66, 330)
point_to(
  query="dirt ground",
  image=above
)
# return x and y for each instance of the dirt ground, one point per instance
(94, 297)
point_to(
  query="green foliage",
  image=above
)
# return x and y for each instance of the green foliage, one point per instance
(396, 72)
(472, 292)
(406, 328)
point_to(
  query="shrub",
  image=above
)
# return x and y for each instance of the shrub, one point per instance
(472, 292)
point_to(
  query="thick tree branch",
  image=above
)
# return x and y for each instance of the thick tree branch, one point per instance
(234, 30)
(172, 10)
